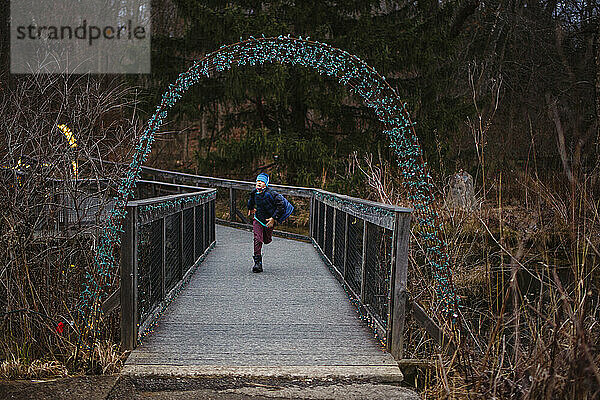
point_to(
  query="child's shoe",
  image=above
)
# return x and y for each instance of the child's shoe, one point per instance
(257, 264)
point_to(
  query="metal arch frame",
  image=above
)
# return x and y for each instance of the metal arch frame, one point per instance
(350, 71)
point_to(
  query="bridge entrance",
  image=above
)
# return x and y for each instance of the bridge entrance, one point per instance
(361, 243)
(294, 319)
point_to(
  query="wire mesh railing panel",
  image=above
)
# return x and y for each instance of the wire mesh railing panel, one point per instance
(172, 250)
(211, 221)
(320, 224)
(354, 253)
(164, 237)
(149, 264)
(207, 233)
(328, 241)
(188, 239)
(340, 242)
(199, 227)
(377, 270)
(313, 218)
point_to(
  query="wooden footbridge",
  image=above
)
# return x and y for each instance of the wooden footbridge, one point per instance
(328, 303)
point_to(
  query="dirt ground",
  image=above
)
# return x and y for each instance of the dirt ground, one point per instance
(113, 387)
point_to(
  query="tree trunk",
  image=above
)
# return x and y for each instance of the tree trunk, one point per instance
(562, 147)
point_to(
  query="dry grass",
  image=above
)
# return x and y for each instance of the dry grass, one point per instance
(529, 279)
(527, 269)
(109, 357)
(14, 368)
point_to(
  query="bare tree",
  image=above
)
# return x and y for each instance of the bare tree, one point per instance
(55, 188)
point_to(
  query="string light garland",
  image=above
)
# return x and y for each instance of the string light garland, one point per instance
(354, 205)
(68, 134)
(350, 71)
(157, 210)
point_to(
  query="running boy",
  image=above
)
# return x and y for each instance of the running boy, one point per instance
(268, 207)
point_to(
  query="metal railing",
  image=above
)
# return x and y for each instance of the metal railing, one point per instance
(366, 245)
(237, 194)
(164, 239)
(88, 202)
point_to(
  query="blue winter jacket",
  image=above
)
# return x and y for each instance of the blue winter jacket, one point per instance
(269, 204)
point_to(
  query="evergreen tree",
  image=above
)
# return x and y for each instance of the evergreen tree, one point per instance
(303, 125)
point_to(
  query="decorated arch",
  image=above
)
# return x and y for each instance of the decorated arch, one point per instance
(350, 71)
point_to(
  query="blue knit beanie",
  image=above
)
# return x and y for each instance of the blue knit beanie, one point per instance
(263, 177)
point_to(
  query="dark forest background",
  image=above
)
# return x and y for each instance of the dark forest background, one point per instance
(495, 86)
(505, 90)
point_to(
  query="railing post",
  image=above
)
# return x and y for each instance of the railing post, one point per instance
(180, 245)
(398, 293)
(128, 287)
(194, 234)
(232, 205)
(363, 268)
(206, 226)
(333, 236)
(212, 221)
(346, 246)
(311, 217)
(163, 246)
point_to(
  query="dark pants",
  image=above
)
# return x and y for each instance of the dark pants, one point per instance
(262, 234)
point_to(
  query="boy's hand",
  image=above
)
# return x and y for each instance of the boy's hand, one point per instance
(270, 223)
(250, 212)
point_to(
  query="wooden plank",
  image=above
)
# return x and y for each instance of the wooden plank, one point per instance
(232, 205)
(398, 283)
(431, 327)
(112, 302)
(128, 290)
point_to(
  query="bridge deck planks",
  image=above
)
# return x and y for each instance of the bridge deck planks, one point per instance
(295, 313)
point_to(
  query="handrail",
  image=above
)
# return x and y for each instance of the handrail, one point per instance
(72, 209)
(370, 203)
(377, 213)
(225, 183)
(168, 197)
